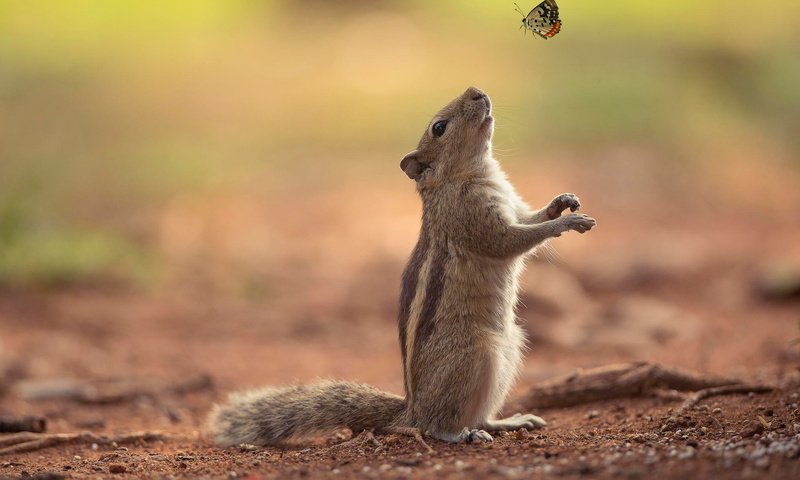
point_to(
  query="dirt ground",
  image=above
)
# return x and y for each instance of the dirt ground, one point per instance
(697, 291)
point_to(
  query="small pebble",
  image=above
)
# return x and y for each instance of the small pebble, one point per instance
(116, 468)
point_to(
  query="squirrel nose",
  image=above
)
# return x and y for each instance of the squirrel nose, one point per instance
(474, 93)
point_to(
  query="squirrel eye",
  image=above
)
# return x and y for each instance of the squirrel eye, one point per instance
(438, 128)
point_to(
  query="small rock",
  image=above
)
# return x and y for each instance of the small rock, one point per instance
(117, 468)
(755, 428)
(592, 414)
(716, 411)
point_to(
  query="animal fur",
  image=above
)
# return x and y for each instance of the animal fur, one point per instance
(461, 347)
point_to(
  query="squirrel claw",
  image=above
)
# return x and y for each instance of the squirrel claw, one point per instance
(475, 436)
(563, 202)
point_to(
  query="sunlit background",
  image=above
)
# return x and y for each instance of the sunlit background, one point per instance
(239, 159)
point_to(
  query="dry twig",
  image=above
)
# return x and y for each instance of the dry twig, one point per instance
(27, 442)
(23, 424)
(613, 381)
(696, 397)
(110, 391)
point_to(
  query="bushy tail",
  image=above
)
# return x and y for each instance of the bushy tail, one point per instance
(272, 416)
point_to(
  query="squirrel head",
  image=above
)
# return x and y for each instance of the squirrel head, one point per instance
(455, 143)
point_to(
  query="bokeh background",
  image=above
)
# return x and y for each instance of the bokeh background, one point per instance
(214, 185)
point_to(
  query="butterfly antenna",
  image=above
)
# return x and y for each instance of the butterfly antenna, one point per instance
(519, 10)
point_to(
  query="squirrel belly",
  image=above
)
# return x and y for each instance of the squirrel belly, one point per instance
(272, 416)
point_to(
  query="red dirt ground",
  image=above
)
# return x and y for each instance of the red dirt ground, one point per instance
(682, 290)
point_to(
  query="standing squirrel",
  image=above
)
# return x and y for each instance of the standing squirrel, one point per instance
(460, 344)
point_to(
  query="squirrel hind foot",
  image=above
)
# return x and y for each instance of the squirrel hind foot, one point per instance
(527, 421)
(467, 435)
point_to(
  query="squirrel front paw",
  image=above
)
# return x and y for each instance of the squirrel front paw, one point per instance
(575, 221)
(562, 202)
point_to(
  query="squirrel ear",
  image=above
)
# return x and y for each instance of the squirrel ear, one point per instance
(412, 166)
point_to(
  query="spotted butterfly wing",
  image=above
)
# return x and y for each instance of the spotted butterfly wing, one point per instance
(542, 20)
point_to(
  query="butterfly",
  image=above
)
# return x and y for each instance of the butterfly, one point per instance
(542, 20)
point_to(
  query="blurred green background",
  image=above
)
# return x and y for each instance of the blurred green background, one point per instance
(118, 117)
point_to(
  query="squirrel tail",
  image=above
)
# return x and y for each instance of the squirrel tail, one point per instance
(270, 416)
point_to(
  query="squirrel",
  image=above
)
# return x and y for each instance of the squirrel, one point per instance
(461, 346)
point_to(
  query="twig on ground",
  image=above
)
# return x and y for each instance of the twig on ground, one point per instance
(23, 424)
(670, 395)
(613, 381)
(696, 397)
(110, 391)
(27, 442)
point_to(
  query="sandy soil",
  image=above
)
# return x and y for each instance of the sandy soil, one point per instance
(686, 300)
